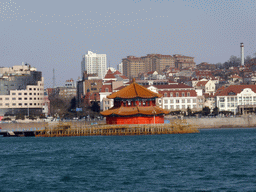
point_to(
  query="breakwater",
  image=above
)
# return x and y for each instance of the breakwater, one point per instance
(224, 122)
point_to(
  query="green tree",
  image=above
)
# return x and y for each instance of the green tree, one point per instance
(215, 111)
(189, 112)
(206, 111)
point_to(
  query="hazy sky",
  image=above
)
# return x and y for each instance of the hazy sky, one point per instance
(55, 34)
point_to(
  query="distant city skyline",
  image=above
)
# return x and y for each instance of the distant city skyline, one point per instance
(55, 34)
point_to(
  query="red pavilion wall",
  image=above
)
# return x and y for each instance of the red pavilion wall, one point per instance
(134, 120)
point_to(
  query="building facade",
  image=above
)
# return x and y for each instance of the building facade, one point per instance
(237, 98)
(21, 90)
(94, 64)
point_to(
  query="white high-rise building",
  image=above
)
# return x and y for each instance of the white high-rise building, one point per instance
(94, 63)
(120, 67)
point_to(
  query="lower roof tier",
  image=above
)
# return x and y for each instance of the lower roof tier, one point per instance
(128, 111)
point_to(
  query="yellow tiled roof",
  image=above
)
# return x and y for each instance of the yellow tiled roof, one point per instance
(134, 90)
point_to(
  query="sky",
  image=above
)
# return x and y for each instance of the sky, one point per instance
(56, 34)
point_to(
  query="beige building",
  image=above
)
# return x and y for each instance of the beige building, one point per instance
(182, 62)
(160, 62)
(21, 90)
(133, 66)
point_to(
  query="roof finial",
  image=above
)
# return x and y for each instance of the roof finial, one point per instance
(133, 80)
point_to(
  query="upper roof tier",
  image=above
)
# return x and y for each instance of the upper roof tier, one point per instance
(134, 90)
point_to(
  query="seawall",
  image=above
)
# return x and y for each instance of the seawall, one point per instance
(224, 122)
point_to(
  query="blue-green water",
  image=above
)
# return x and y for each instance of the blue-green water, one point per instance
(213, 160)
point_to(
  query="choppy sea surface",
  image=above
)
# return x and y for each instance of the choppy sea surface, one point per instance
(213, 160)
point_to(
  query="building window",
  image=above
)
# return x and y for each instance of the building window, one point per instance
(222, 99)
(20, 104)
(177, 94)
(183, 100)
(30, 103)
(171, 100)
(106, 90)
(19, 93)
(25, 98)
(13, 93)
(6, 104)
(34, 93)
(188, 94)
(34, 103)
(177, 106)
(188, 100)
(25, 104)
(171, 94)
(194, 100)
(13, 104)
(194, 106)
(7, 98)
(30, 89)
(14, 98)
(165, 94)
(25, 93)
(159, 101)
(19, 98)
(183, 94)
(183, 106)
(165, 101)
(166, 106)
(177, 101)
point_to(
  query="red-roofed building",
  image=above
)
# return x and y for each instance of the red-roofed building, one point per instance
(109, 76)
(236, 98)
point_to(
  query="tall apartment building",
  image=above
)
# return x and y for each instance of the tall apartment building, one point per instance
(21, 90)
(160, 62)
(132, 66)
(94, 63)
(182, 62)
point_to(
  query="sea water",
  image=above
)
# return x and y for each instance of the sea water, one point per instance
(212, 160)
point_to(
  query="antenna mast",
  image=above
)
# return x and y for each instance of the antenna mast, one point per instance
(53, 78)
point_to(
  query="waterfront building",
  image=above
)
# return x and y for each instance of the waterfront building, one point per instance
(236, 98)
(21, 90)
(134, 104)
(177, 96)
(94, 64)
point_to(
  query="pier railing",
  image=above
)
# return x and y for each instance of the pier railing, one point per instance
(67, 129)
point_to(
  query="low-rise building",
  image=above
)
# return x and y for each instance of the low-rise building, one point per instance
(21, 90)
(236, 98)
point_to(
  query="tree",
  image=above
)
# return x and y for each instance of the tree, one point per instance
(95, 107)
(215, 111)
(72, 104)
(189, 112)
(206, 111)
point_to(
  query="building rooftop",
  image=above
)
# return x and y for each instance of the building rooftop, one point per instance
(134, 90)
(135, 110)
